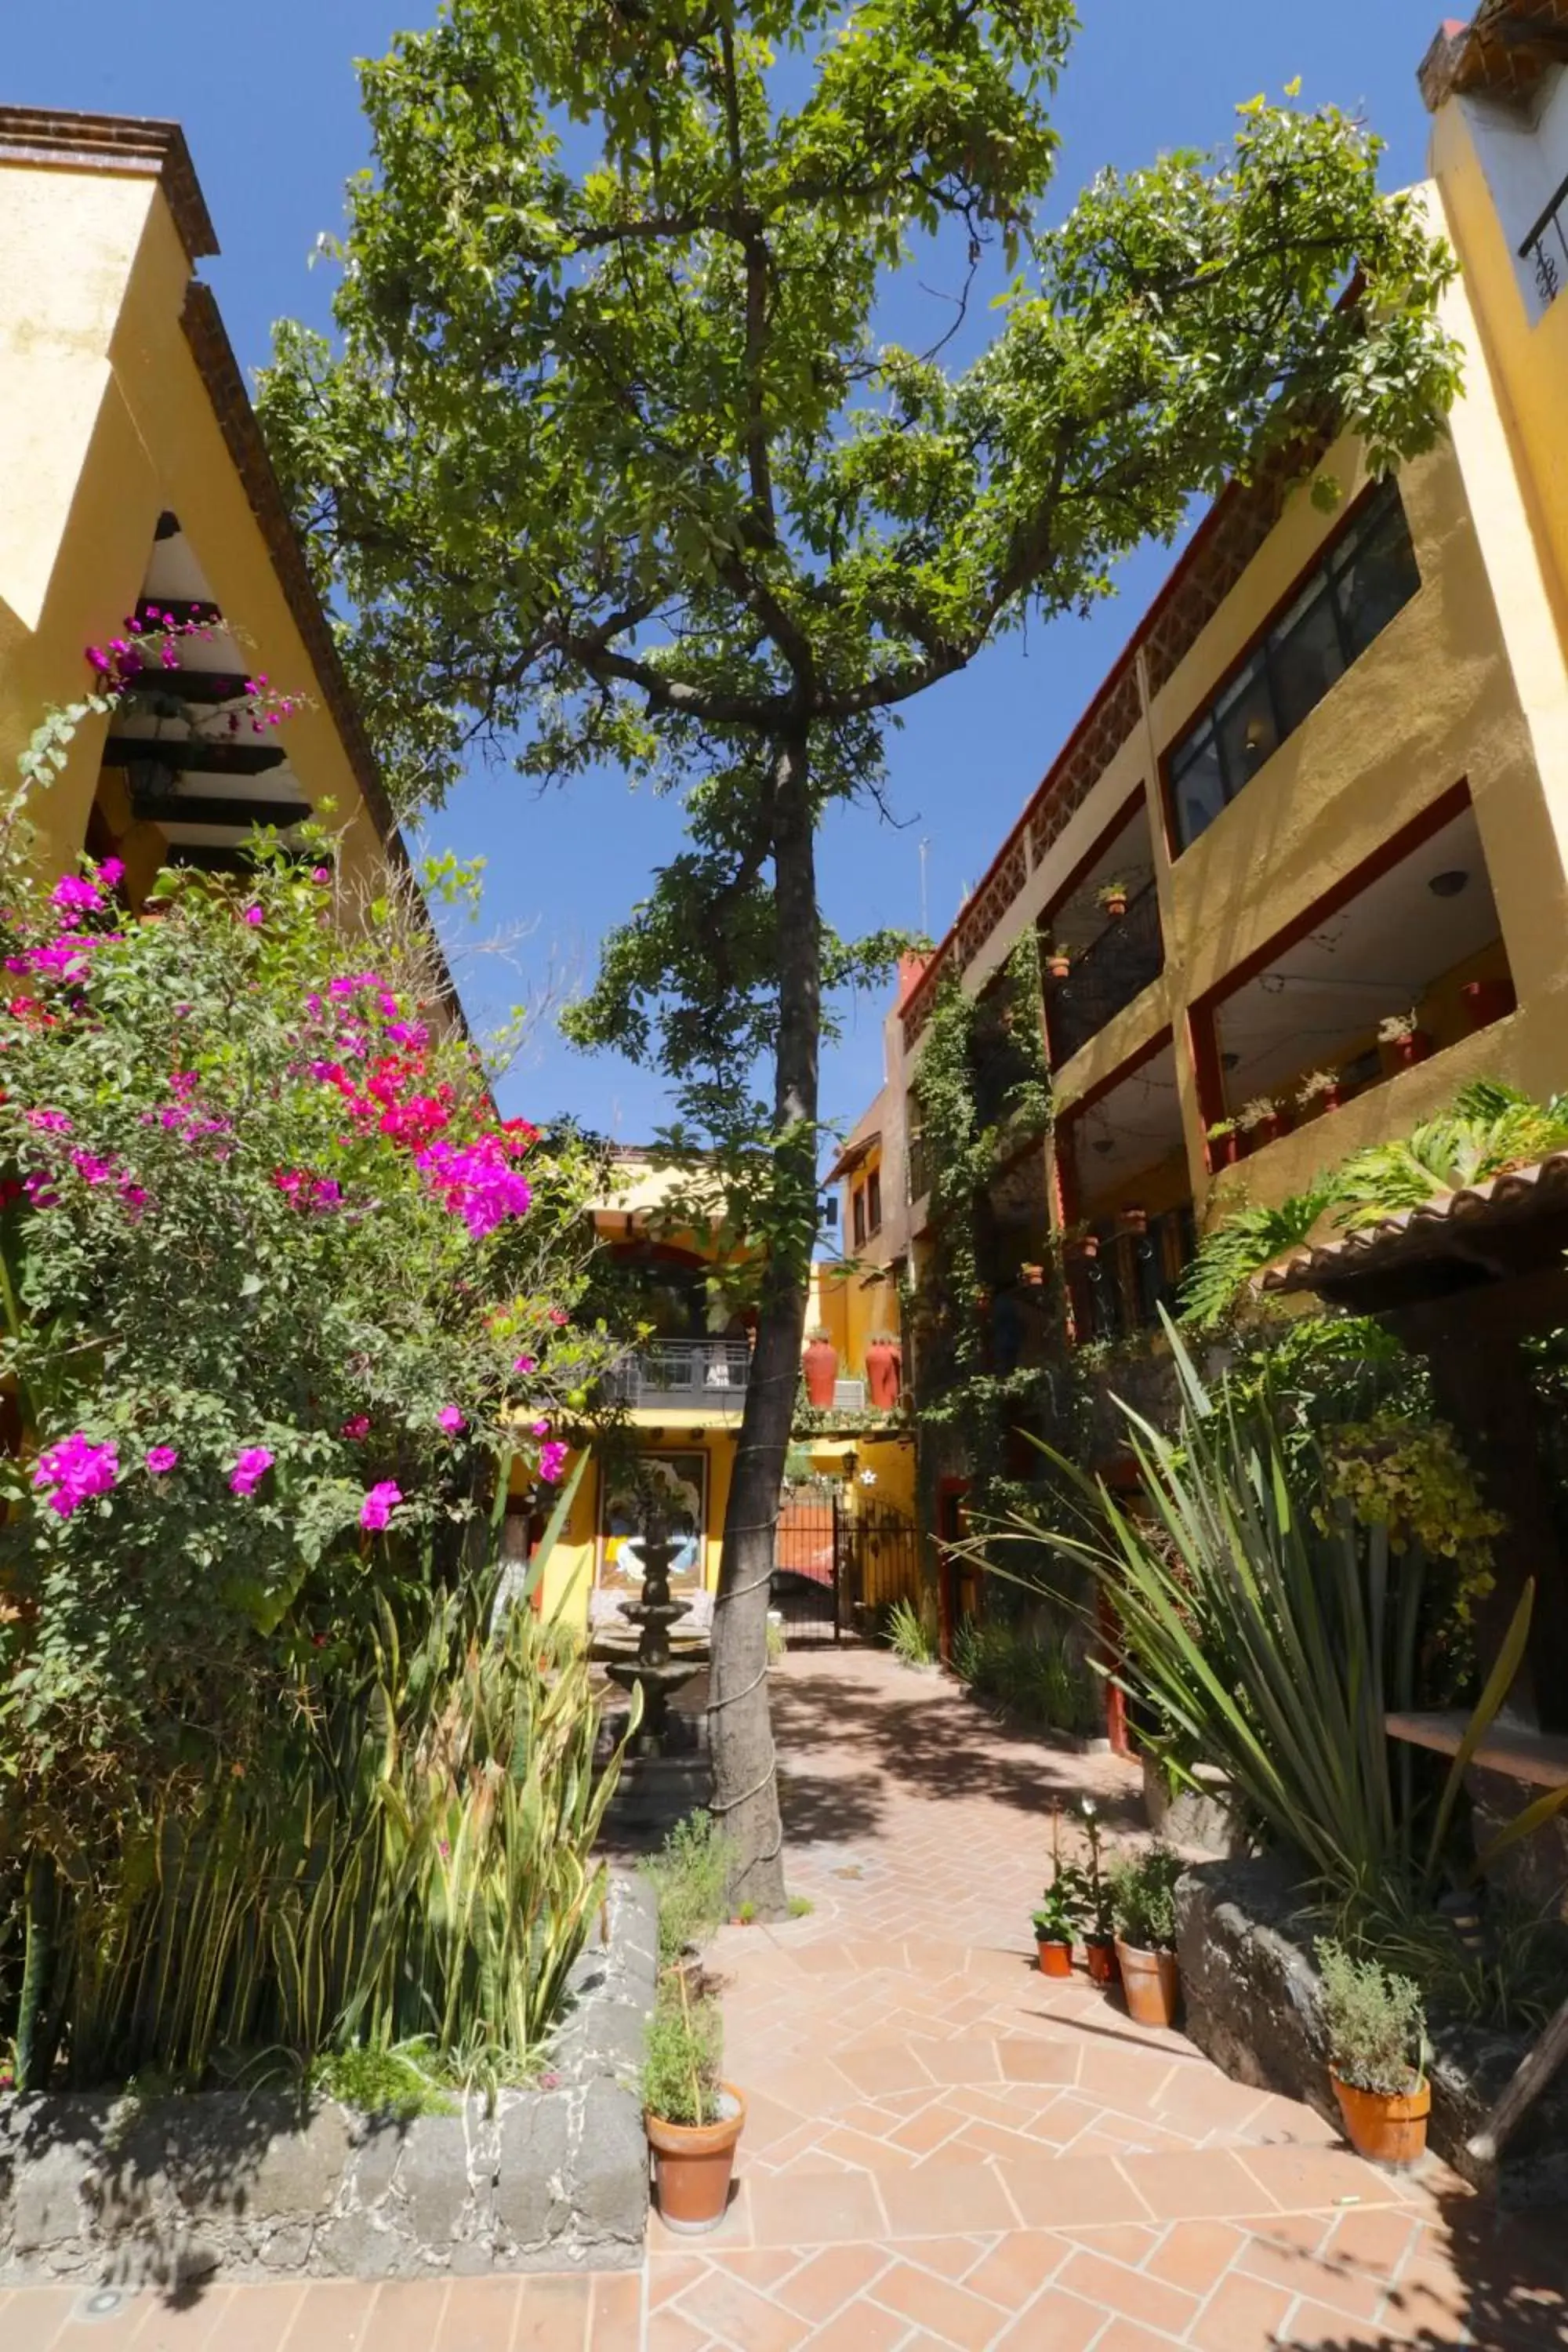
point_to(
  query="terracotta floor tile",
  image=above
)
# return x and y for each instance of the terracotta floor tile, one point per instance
(1212, 2183)
(866, 2154)
(1124, 2242)
(1064, 2192)
(34, 2315)
(1377, 2241)
(196, 2324)
(669, 2276)
(552, 2316)
(615, 2321)
(959, 2060)
(1129, 2292)
(1323, 2280)
(879, 2069)
(808, 2209)
(860, 2328)
(1315, 2327)
(760, 2266)
(1054, 2323)
(1195, 2254)
(937, 2199)
(333, 2318)
(1040, 2061)
(1242, 2314)
(950, 2258)
(1126, 2335)
(829, 2280)
(727, 2306)
(258, 2319)
(943, 2309)
(925, 2131)
(407, 2313)
(1302, 2177)
(1017, 2266)
(667, 2332)
(113, 2331)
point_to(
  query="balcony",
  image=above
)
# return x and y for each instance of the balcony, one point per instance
(1120, 1292)
(1106, 976)
(684, 1376)
(1544, 251)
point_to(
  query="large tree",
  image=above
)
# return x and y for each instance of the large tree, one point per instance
(608, 462)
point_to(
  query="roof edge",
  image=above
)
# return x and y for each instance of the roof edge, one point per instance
(126, 143)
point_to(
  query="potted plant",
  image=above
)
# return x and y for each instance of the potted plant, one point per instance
(1077, 1242)
(1134, 1219)
(1058, 963)
(1318, 1091)
(1223, 1149)
(820, 1364)
(1144, 1905)
(693, 2120)
(1112, 897)
(1486, 1001)
(1098, 1937)
(1259, 1122)
(1060, 1912)
(1404, 1044)
(1377, 2051)
(884, 1370)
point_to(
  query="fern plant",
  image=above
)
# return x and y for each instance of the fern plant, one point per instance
(1242, 1246)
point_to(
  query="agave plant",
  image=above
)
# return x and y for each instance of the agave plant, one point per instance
(1275, 1640)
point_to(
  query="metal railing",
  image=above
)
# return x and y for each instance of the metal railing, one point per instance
(1114, 968)
(1546, 248)
(1121, 1291)
(702, 1375)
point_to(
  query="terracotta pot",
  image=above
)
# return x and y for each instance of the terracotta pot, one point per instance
(1087, 1246)
(691, 2167)
(1133, 1221)
(1056, 1957)
(1057, 967)
(1382, 2126)
(1486, 1001)
(1151, 1982)
(1114, 907)
(1317, 1104)
(1404, 1052)
(820, 1363)
(1100, 1953)
(1224, 1151)
(884, 1374)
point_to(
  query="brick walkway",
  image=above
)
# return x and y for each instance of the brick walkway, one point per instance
(942, 2150)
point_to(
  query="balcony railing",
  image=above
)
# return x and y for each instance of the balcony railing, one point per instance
(1121, 1291)
(1118, 966)
(690, 1375)
(1546, 248)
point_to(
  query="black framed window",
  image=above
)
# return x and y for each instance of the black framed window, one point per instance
(1343, 604)
(873, 1202)
(857, 1210)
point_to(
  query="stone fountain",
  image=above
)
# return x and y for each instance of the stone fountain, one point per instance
(653, 1670)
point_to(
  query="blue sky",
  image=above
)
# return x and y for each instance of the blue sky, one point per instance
(267, 93)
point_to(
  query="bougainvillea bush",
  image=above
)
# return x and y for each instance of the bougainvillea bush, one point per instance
(283, 1301)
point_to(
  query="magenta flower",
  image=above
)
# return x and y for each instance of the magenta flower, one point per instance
(552, 1462)
(160, 1459)
(250, 1469)
(541, 1429)
(75, 1470)
(477, 1183)
(559, 1317)
(320, 873)
(452, 1420)
(254, 917)
(74, 895)
(50, 1122)
(379, 1505)
(111, 873)
(526, 1364)
(91, 1169)
(356, 1426)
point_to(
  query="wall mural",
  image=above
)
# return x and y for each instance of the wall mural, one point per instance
(681, 1481)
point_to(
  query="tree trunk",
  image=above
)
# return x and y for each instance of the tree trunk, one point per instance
(745, 1791)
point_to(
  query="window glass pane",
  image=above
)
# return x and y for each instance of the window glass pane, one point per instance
(873, 1202)
(1304, 656)
(1197, 786)
(1375, 578)
(1245, 727)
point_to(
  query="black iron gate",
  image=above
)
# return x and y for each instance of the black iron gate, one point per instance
(838, 1562)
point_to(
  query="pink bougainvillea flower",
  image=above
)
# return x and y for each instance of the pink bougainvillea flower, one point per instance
(75, 1470)
(379, 1505)
(73, 894)
(476, 1183)
(254, 917)
(356, 1426)
(50, 1122)
(412, 1034)
(552, 1462)
(559, 1317)
(326, 1194)
(452, 1420)
(320, 873)
(252, 1467)
(540, 1429)
(91, 1169)
(111, 873)
(160, 1459)
(526, 1364)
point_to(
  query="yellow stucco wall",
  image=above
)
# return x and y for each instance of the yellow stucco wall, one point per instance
(570, 1570)
(106, 423)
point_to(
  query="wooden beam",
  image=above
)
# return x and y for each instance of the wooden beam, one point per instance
(1524, 2086)
(208, 808)
(194, 757)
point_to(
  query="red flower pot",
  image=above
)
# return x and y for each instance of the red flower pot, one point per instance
(1224, 1151)
(1055, 1958)
(1486, 1001)
(1404, 1052)
(1383, 2128)
(820, 1364)
(1099, 1952)
(884, 1374)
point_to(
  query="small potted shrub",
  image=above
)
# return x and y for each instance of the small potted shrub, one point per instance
(1058, 963)
(1377, 2047)
(1318, 1091)
(692, 2119)
(1402, 1042)
(1224, 1148)
(1060, 1914)
(1134, 1219)
(1259, 1122)
(1078, 1243)
(1144, 1905)
(820, 1365)
(1112, 897)
(1099, 1935)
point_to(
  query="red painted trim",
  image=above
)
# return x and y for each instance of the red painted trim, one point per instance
(1124, 816)
(1123, 1070)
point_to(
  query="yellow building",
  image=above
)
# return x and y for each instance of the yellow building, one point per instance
(1301, 868)
(135, 480)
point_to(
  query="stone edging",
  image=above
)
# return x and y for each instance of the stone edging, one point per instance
(161, 2190)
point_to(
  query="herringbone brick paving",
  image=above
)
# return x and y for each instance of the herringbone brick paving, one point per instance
(944, 2149)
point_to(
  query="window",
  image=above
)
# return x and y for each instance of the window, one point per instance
(1353, 594)
(873, 1202)
(857, 1212)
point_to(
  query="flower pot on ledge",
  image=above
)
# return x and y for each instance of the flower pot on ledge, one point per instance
(1486, 1001)
(1133, 1220)
(1404, 1052)
(884, 1374)
(1385, 2127)
(1057, 967)
(693, 2164)
(819, 1362)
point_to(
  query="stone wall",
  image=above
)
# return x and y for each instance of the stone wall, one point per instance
(156, 2191)
(1250, 1992)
